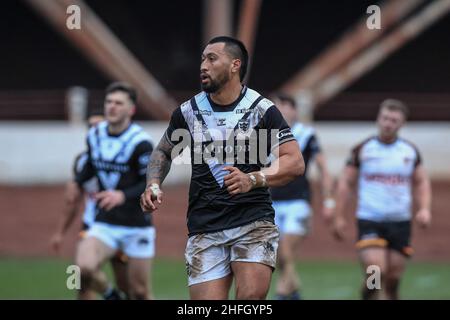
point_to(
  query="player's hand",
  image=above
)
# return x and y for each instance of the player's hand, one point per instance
(237, 181)
(338, 228)
(423, 218)
(109, 199)
(151, 196)
(56, 241)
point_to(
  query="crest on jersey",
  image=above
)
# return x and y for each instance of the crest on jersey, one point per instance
(244, 125)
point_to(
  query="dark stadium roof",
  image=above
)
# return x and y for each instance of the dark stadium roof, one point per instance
(166, 37)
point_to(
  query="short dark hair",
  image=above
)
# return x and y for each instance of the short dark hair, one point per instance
(395, 105)
(236, 49)
(283, 97)
(123, 87)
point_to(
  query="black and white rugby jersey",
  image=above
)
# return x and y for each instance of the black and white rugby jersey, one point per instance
(299, 187)
(90, 187)
(242, 135)
(119, 162)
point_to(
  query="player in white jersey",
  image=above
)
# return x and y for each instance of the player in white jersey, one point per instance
(292, 201)
(387, 173)
(72, 208)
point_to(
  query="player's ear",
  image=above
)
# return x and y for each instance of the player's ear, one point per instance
(133, 110)
(235, 65)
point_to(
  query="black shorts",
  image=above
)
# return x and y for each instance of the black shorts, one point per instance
(392, 235)
(83, 232)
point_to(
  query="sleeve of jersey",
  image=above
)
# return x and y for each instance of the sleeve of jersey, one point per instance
(313, 145)
(353, 159)
(278, 130)
(83, 169)
(418, 158)
(141, 157)
(177, 122)
(77, 164)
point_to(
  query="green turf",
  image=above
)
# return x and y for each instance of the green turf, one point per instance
(46, 279)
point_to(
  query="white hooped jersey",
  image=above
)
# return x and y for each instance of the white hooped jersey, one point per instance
(385, 178)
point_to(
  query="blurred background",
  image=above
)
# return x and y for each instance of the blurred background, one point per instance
(324, 53)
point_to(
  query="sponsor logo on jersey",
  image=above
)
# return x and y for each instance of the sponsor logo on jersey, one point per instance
(202, 112)
(242, 110)
(392, 179)
(221, 122)
(284, 133)
(143, 241)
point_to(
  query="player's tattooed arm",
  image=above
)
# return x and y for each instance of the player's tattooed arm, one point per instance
(160, 162)
(157, 170)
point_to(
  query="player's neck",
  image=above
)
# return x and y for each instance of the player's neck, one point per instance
(227, 94)
(387, 139)
(117, 128)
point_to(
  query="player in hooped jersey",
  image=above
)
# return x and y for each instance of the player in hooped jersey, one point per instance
(292, 201)
(118, 151)
(387, 173)
(230, 218)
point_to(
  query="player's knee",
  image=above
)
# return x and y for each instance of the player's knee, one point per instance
(372, 268)
(394, 273)
(392, 283)
(138, 292)
(87, 273)
(369, 293)
(139, 295)
(281, 263)
(251, 293)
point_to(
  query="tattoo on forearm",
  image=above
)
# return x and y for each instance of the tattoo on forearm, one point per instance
(160, 161)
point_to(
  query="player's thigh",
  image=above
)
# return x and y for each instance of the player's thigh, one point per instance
(252, 280)
(207, 258)
(253, 258)
(255, 242)
(373, 256)
(371, 244)
(92, 252)
(138, 243)
(396, 264)
(138, 270)
(217, 289)
(288, 246)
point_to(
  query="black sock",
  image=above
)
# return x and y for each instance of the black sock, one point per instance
(295, 295)
(113, 294)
